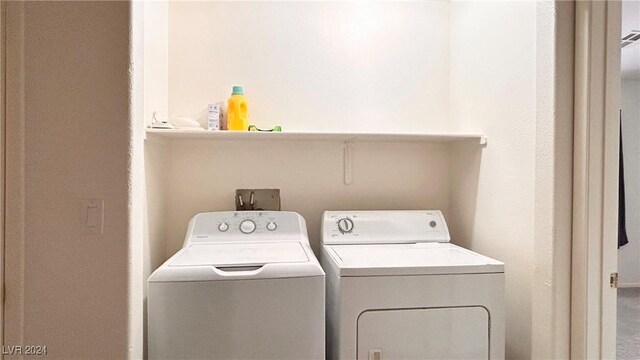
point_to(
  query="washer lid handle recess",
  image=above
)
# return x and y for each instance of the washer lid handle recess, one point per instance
(384, 227)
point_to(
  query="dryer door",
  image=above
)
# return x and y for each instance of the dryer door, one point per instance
(424, 333)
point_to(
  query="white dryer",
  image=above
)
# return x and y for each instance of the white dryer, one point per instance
(397, 289)
(245, 285)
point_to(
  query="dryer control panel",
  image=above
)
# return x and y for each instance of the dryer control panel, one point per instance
(384, 227)
(229, 226)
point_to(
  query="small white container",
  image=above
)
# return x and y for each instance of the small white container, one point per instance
(214, 116)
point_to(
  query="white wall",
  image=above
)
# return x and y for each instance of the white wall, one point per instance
(75, 140)
(150, 74)
(493, 90)
(155, 61)
(551, 282)
(629, 255)
(137, 276)
(314, 66)
(630, 61)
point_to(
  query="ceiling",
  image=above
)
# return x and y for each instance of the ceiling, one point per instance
(630, 61)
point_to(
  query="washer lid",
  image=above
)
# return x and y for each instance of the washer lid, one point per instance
(409, 259)
(240, 254)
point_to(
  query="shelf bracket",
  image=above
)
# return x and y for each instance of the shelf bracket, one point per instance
(483, 140)
(348, 162)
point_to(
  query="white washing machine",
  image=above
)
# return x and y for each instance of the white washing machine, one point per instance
(397, 289)
(245, 285)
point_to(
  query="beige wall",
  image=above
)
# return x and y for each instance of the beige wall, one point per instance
(203, 175)
(76, 146)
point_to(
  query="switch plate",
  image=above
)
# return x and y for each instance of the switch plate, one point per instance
(92, 216)
(263, 199)
(375, 354)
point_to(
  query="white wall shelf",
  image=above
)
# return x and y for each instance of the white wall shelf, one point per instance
(347, 138)
(480, 139)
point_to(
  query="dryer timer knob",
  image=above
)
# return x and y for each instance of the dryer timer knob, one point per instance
(345, 225)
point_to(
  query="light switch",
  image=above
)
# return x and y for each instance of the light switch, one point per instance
(93, 215)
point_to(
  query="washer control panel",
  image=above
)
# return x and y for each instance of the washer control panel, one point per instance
(384, 227)
(246, 225)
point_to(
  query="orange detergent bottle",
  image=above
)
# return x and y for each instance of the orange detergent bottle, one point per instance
(237, 118)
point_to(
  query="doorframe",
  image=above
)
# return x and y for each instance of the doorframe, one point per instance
(595, 190)
(3, 152)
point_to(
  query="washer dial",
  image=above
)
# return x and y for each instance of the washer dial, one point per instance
(345, 225)
(247, 226)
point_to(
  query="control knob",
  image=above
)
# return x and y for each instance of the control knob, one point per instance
(345, 225)
(247, 226)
